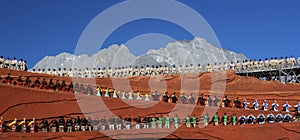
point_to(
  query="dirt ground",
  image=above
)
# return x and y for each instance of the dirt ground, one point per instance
(20, 102)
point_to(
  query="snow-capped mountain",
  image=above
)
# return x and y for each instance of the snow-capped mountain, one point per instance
(196, 51)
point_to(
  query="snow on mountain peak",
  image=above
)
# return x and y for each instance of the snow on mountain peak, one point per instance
(185, 52)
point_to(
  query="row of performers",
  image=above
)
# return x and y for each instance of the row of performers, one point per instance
(62, 86)
(60, 125)
(119, 123)
(191, 99)
(13, 64)
(245, 65)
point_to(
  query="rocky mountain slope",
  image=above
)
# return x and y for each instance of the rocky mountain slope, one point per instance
(196, 51)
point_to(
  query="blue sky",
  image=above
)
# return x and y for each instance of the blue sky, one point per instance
(32, 29)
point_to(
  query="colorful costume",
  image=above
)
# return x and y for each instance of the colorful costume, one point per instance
(261, 119)
(255, 105)
(130, 96)
(286, 106)
(265, 105)
(274, 106)
(147, 97)
(188, 121)
(106, 93)
(115, 94)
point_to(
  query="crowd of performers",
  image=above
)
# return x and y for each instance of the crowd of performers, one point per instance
(13, 64)
(128, 71)
(155, 96)
(201, 100)
(155, 122)
(42, 83)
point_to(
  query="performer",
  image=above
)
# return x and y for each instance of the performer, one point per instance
(191, 99)
(270, 118)
(20, 81)
(8, 78)
(167, 121)
(119, 122)
(1, 62)
(231, 66)
(237, 102)
(153, 121)
(14, 64)
(61, 124)
(245, 104)
(205, 120)
(147, 121)
(264, 105)
(147, 97)
(160, 121)
(176, 121)
(128, 122)
(186, 70)
(209, 101)
(107, 93)
(77, 123)
(7, 63)
(83, 124)
(166, 70)
(287, 118)
(155, 96)
(260, 119)
(225, 119)
(90, 124)
(225, 66)
(115, 94)
(69, 124)
(23, 125)
(286, 106)
(216, 119)
(138, 122)
(124, 95)
(255, 105)
(226, 102)
(208, 68)
(201, 100)
(188, 121)
(44, 84)
(191, 69)
(165, 97)
(53, 125)
(45, 125)
(103, 123)
(274, 106)
(130, 95)
(1, 120)
(99, 93)
(242, 120)
(32, 125)
(199, 68)
(250, 119)
(194, 120)
(13, 125)
(183, 98)
(297, 107)
(279, 118)
(138, 96)
(238, 66)
(234, 119)
(174, 70)
(111, 121)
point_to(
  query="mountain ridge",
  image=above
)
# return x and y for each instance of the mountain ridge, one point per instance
(196, 51)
